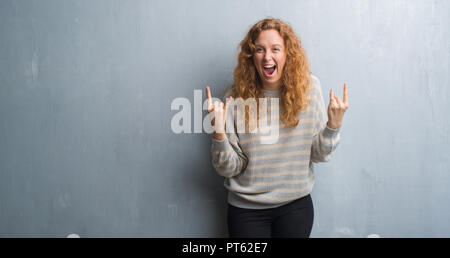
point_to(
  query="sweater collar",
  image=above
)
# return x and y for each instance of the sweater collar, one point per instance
(272, 93)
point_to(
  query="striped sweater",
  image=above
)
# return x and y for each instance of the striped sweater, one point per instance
(261, 176)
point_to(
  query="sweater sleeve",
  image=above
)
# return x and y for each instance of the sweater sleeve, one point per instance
(325, 140)
(227, 156)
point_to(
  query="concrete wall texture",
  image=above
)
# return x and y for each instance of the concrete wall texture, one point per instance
(86, 88)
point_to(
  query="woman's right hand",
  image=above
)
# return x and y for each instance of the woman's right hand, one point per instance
(220, 112)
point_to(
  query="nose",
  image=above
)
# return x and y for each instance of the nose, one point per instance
(268, 56)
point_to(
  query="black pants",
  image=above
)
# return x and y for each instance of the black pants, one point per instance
(294, 219)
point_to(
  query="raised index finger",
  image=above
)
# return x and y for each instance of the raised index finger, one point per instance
(345, 94)
(208, 95)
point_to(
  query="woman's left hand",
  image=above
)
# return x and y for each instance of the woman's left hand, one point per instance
(336, 109)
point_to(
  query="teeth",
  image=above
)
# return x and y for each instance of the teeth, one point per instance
(269, 66)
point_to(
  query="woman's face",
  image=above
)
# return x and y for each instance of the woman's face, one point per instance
(269, 58)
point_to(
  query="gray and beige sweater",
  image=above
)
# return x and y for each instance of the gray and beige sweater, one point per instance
(260, 175)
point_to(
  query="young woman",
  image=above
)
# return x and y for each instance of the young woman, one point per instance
(269, 185)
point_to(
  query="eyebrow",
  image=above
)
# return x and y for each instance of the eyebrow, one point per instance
(272, 45)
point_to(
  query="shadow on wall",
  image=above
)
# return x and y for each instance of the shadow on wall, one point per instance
(205, 183)
(209, 193)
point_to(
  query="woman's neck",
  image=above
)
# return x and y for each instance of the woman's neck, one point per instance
(272, 87)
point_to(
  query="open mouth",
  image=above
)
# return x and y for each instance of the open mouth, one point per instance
(269, 69)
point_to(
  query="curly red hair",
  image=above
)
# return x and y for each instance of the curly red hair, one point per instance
(295, 78)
